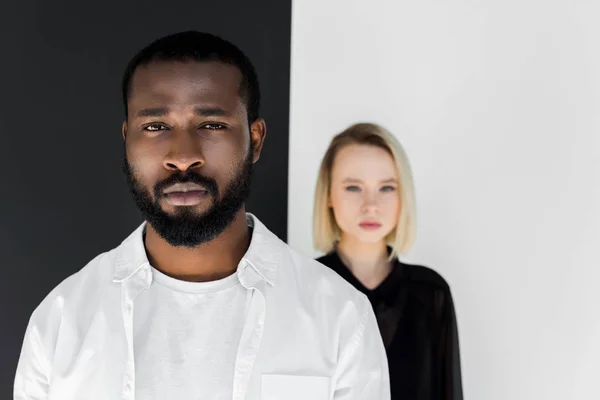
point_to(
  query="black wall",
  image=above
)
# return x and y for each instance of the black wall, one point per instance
(63, 198)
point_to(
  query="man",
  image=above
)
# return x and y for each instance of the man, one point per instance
(201, 301)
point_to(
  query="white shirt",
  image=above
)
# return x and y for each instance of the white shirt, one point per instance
(308, 334)
(185, 337)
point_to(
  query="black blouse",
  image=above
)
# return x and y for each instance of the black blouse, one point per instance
(416, 318)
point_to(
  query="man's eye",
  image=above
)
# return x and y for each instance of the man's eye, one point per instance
(155, 127)
(213, 126)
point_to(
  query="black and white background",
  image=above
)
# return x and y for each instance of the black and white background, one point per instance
(496, 102)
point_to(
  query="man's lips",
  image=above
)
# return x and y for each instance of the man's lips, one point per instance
(186, 194)
(184, 187)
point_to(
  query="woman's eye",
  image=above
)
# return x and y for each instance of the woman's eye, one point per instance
(388, 189)
(352, 188)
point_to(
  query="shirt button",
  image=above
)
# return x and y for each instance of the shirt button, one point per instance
(128, 307)
(127, 388)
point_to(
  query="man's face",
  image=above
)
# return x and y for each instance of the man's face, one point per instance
(189, 149)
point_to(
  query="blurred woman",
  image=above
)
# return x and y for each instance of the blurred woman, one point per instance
(364, 219)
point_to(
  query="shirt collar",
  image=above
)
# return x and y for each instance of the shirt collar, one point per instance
(263, 255)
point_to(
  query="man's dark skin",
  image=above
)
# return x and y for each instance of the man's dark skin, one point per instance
(191, 116)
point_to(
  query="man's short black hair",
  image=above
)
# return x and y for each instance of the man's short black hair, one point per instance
(201, 47)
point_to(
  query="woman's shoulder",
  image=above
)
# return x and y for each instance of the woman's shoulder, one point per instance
(422, 275)
(330, 260)
(326, 257)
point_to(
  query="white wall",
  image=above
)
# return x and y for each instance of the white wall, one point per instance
(498, 106)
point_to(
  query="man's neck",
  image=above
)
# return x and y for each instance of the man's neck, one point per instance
(209, 261)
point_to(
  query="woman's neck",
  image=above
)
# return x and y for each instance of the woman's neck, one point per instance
(368, 262)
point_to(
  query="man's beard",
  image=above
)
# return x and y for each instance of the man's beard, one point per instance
(185, 227)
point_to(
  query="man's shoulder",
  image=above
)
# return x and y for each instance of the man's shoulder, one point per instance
(97, 272)
(307, 288)
(79, 286)
(296, 272)
(313, 279)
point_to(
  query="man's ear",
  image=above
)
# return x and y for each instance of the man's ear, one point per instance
(124, 130)
(258, 131)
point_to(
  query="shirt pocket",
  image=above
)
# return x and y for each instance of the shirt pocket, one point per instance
(294, 387)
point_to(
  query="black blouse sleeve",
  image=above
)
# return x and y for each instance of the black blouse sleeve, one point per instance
(451, 388)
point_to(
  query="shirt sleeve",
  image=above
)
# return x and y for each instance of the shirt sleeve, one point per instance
(362, 369)
(451, 388)
(32, 378)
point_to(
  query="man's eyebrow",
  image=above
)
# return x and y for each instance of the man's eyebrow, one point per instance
(211, 112)
(200, 111)
(153, 112)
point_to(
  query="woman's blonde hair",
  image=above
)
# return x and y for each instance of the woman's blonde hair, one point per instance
(326, 232)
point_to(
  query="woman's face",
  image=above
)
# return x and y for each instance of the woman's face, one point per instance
(364, 192)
